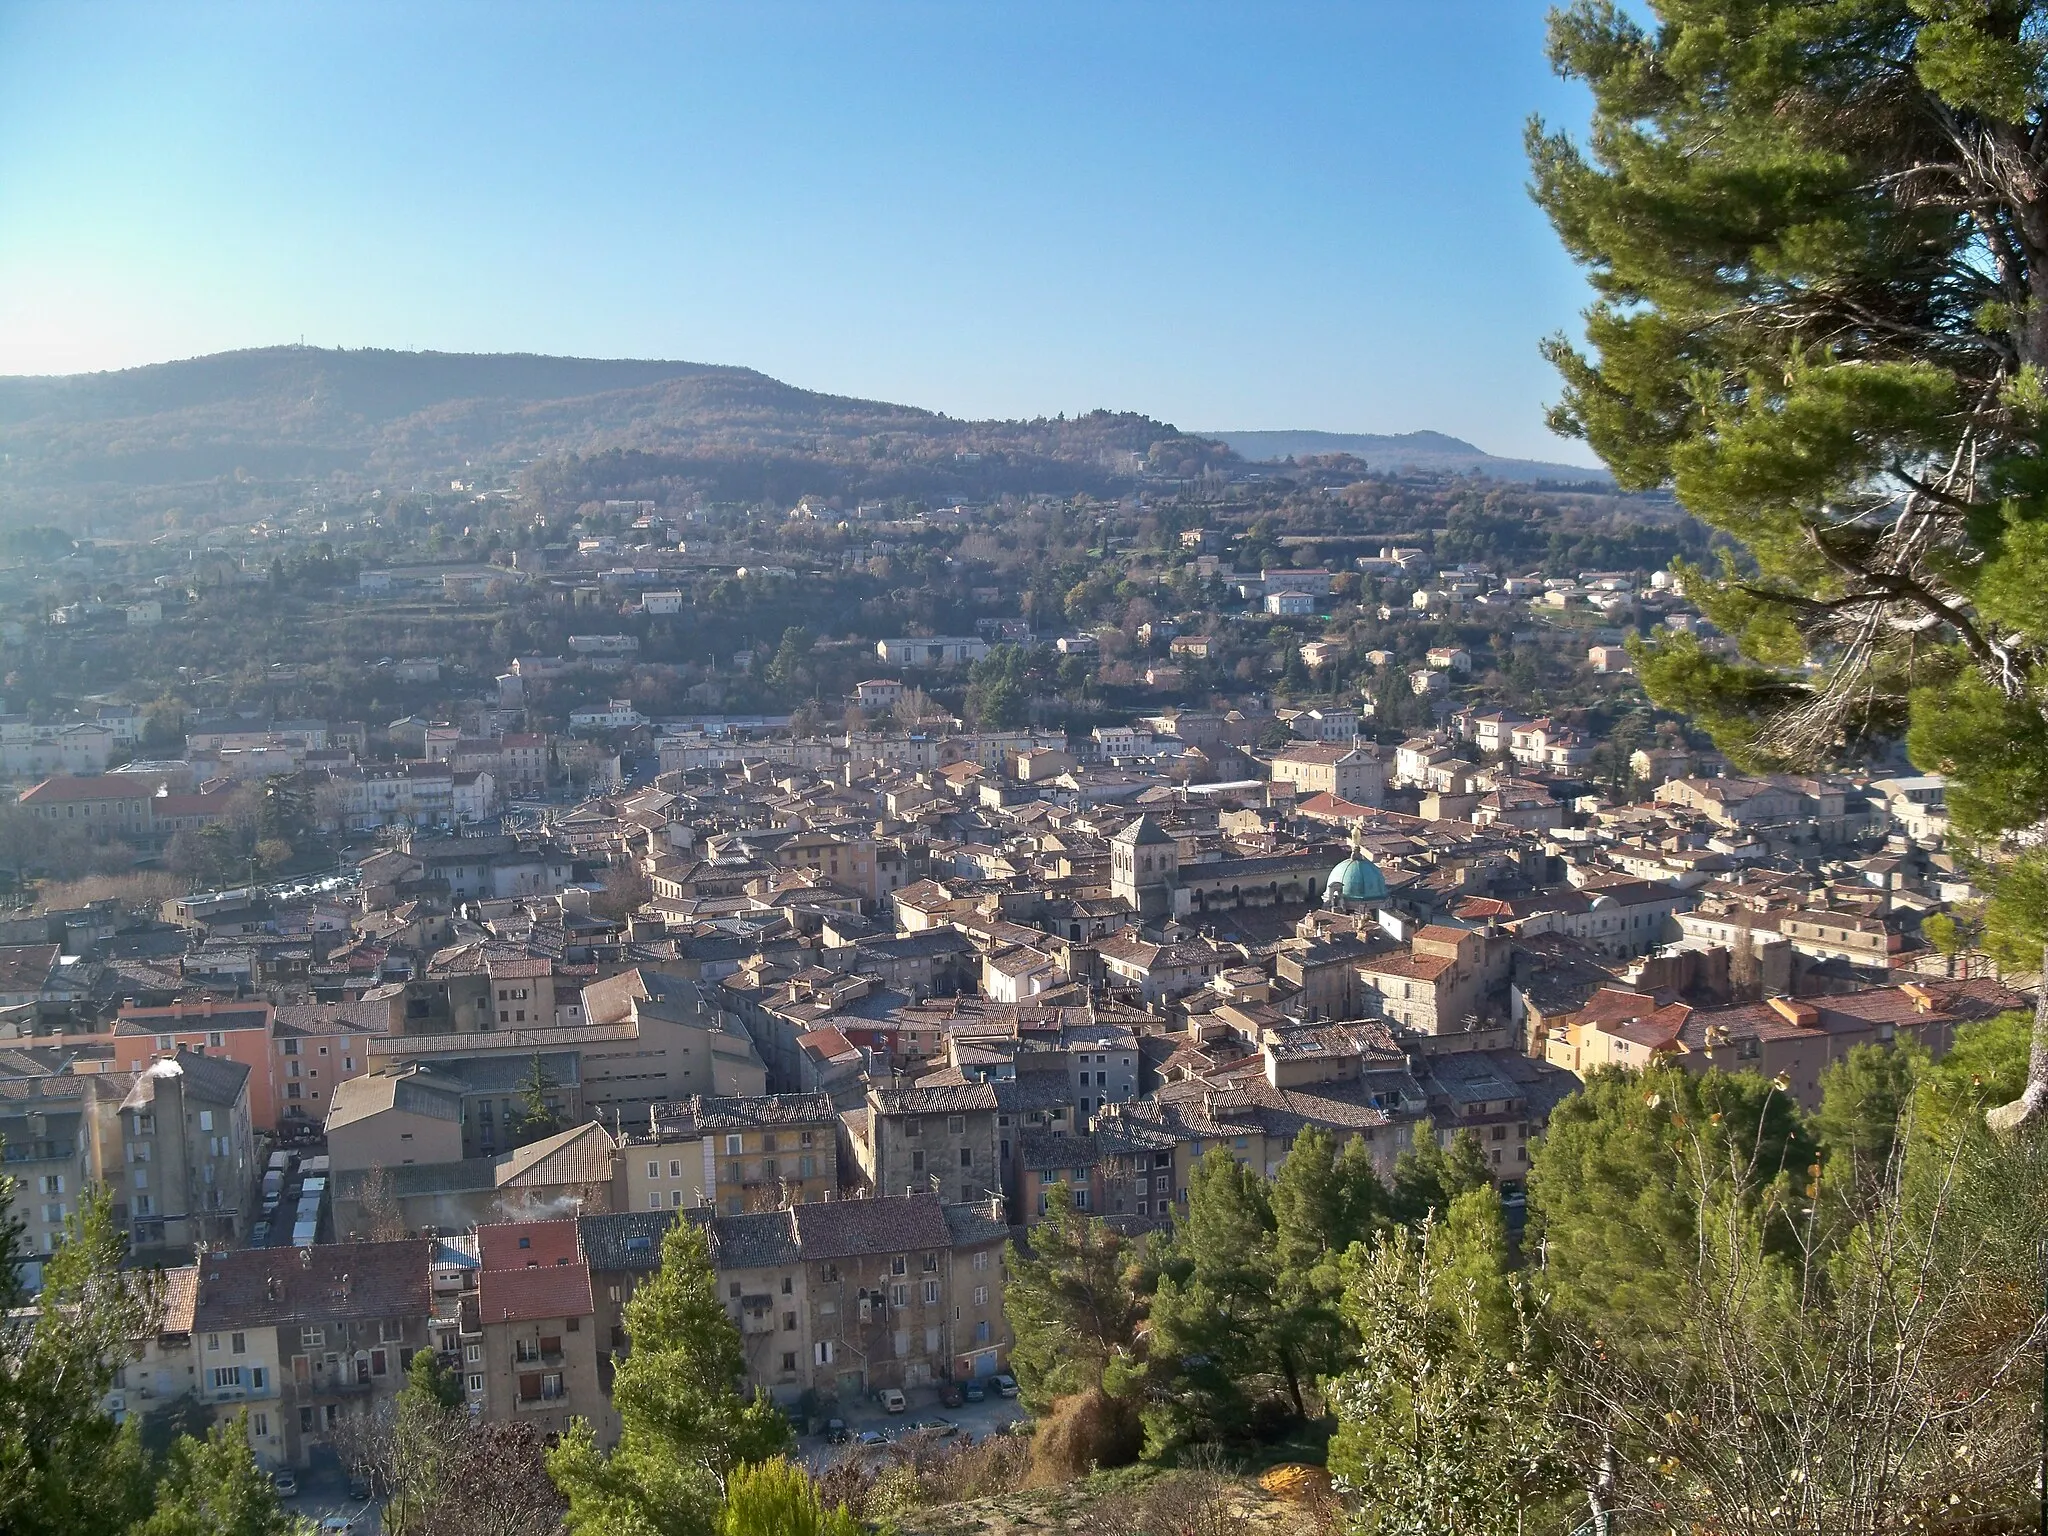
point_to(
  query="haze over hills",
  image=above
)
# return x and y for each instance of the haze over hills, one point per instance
(112, 447)
(1427, 451)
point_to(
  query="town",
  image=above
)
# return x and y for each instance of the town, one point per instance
(854, 949)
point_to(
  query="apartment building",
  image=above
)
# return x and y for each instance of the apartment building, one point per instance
(529, 1334)
(60, 1134)
(941, 1140)
(845, 1299)
(303, 1337)
(295, 1056)
(187, 1173)
(733, 1154)
(1354, 774)
(1438, 985)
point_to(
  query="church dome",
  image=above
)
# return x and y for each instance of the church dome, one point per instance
(1356, 879)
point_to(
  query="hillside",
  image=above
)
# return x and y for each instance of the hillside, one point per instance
(1427, 451)
(279, 424)
(109, 446)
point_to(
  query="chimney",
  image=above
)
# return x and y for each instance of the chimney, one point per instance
(1803, 1015)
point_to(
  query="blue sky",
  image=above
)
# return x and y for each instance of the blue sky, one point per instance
(1246, 215)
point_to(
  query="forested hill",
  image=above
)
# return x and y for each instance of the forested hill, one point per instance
(99, 444)
(1431, 452)
(106, 451)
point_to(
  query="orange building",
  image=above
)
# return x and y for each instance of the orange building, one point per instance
(295, 1055)
(238, 1030)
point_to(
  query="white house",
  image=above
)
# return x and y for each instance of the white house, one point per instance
(612, 715)
(932, 650)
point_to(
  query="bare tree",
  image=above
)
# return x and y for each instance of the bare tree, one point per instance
(383, 1221)
(441, 1472)
(1878, 1381)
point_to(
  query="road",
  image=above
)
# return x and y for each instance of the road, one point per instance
(977, 1419)
(322, 1492)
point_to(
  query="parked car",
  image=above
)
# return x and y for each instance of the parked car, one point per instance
(836, 1432)
(286, 1484)
(870, 1438)
(974, 1391)
(935, 1426)
(892, 1401)
(1005, 1384)
(336, 1525)
(951, 1395)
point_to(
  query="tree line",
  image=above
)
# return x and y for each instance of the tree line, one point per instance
(1724, 1314)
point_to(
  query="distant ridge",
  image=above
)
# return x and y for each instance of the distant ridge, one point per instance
(1429, 451)
(294, 423)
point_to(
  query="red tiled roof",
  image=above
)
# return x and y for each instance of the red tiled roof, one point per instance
(532, 1295)
(518, 1244)
(121, 786)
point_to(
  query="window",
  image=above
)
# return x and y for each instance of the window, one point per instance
(206, 1119)
(675, 1168)
(260, 1423)
(654, 1200)
(226, 1376)
(654, 1170)
(956, 1125)
(899, 1295)
(981, 1295)
(1081, 1199)
(732, 1146)
(675, 1198)
(899, 1265)
(476, 1382)
(821, 1352)
(213, 1343)
(473, 1353)
(911, 1126)
(789, 1322)
(981, 1259)
(931, 1293)
(238, 1343)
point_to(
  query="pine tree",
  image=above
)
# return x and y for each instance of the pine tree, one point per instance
(1445, 1423)
(537, 1117)
(214, 1487)
(1069, 1302)
(1428, 1177)
(683, 1424)
(1323, 1202)
(1214, 1316)
(66, 1469)
(778, 1498)
(1818, 234)
(1617, 1186)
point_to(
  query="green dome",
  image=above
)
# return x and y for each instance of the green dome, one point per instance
(1356, 879)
